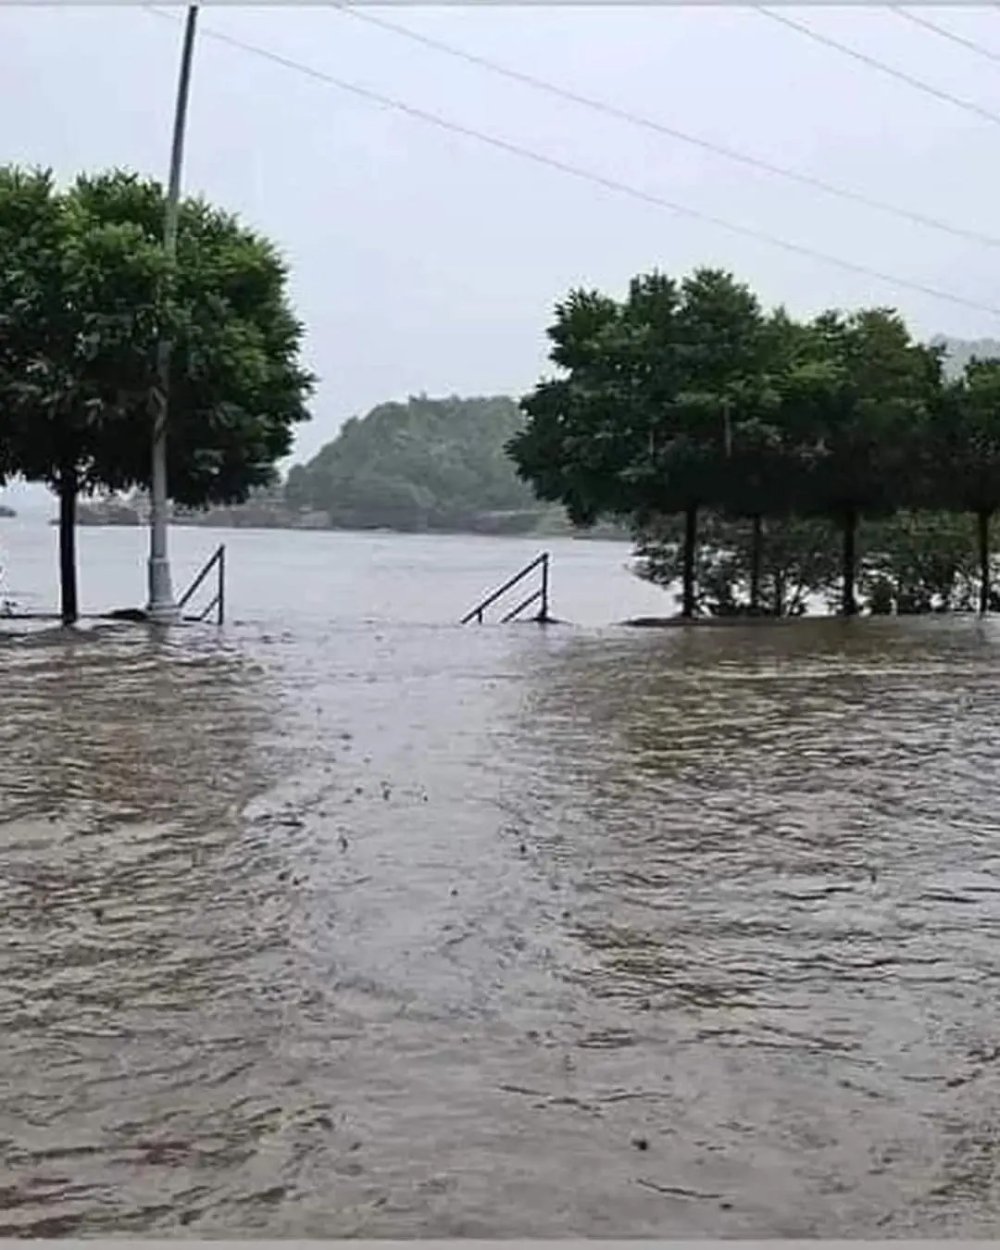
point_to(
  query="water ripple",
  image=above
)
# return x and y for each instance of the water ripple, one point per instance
(338, 931)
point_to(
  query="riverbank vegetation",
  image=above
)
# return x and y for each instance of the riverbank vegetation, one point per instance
(909, 563)
(760, 460)
(86, 297)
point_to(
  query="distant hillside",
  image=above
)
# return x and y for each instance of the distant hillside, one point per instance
(960, 351)
(428, 464)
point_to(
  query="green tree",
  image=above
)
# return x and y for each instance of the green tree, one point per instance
(85, 293)
(760, 472)
(918, 562)
(963, 467)
(742, 570)
(650, 396)
(717, 438)
(910, 563)
(72, 293)
(582, 432)
(857, 404)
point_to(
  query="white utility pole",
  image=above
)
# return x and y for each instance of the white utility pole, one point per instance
(162, 608)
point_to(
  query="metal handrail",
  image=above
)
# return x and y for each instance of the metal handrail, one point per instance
(217, 559)
(525, 603)
(542, 593)
(212, 604)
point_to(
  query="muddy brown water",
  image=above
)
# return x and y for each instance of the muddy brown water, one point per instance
(321, 926)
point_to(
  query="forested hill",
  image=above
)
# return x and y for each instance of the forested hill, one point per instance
(427, 464)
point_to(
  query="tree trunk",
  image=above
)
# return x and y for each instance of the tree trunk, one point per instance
(849, 605)
(688, 603)
(983, 526)
(67, 545)
(756, 559)
(779, 593)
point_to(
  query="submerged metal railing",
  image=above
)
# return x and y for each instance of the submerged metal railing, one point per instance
(218, 603)
(540, 595)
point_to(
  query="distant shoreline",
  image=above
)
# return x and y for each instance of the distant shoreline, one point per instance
(540, 535)
(487, 525)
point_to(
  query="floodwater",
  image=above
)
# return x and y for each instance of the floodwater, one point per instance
(344, 920)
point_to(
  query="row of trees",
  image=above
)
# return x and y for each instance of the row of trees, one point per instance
(86, 292)
(687, 399)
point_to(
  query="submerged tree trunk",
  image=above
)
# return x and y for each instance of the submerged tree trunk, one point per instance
(67, 545)
(756, 559)
(779, 593)
(849, 605)
(983, 526)
(688, 603)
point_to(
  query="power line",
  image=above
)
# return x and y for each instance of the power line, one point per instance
(873, 63)
(660, 128)
(944, 33)
(585, 175)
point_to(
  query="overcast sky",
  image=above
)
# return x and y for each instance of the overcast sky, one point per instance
(428, 261)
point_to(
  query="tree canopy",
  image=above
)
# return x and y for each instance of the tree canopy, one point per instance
(427, 464)
(86, 292)
(686, 400)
